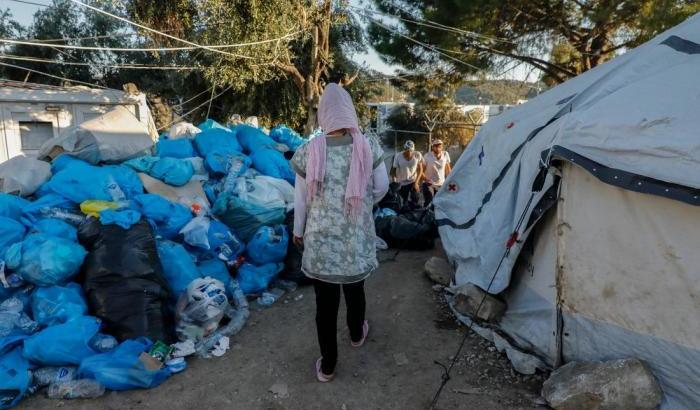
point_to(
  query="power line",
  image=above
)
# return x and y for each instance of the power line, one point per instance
(193, 98)
(215, 50)
(422, 44)
(39, 43)
(119, 66)
(31, 2)
(196, 108)
(51, 75)
(436, 25)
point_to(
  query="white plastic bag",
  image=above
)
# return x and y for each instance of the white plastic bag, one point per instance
(23, 175)
(196, 231)
(183, 130)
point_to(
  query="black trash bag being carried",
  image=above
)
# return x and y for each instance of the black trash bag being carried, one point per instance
(123, 281)
(413, 230)
(292, 262)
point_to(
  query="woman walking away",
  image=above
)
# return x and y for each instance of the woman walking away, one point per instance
(340, 175)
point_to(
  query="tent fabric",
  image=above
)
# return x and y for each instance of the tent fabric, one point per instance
(609, 271)
(630, 114)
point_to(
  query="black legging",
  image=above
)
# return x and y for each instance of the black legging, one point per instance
(327, 304)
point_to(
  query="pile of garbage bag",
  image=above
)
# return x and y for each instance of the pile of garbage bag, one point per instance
(117, 261)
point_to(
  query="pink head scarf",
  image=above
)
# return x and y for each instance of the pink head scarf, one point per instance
(335, 112)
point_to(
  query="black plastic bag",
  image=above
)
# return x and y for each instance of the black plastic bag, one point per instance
(392, 200)
(292, 262)
(123, 281)
(413, 230)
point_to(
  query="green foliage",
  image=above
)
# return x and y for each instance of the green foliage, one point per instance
(561, 38)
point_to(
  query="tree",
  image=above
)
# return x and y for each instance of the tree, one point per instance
(311, 37)
(560, 38)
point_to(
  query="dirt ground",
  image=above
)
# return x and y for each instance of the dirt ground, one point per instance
(269, 366)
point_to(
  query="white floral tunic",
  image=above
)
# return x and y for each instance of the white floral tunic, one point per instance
(338, 249)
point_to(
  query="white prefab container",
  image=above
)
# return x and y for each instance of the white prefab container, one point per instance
(31, 114)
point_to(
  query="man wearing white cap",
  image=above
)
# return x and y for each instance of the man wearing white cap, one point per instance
(407, 170)
(437, 168)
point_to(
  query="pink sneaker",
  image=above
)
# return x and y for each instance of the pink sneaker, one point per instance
(320, 376)
(365, 332)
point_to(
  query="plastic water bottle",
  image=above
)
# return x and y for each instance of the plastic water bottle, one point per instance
(269, 298)
(45, 376)
(76, 389)
(103, 343)
(235, 165)
(63, 215)
(115, 191)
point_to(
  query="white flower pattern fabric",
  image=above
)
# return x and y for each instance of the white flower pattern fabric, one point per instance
(337, 248)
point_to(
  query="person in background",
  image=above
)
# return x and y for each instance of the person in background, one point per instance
(407, 170)
(340, 175)
(437, 168)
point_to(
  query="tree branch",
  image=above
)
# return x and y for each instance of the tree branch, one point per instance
(544, 65)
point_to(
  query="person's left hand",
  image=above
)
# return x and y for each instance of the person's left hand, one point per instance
(298, 241)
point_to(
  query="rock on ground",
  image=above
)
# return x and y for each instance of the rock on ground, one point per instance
(618, 384)
(439, 271)
(469, 297)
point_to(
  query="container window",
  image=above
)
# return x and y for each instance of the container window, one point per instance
(34, 133)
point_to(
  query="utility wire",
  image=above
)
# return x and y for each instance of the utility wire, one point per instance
(39, 43)
(193, 98)
(51, 75)
(120, 66)
(190, 43)
(195, 108)
(422, 44)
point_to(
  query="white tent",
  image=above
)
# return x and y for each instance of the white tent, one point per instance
(598, 180)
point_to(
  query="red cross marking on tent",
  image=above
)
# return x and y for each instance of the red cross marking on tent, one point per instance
(452, 187)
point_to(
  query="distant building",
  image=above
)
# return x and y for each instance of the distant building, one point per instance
(31, 113)
(488, 111)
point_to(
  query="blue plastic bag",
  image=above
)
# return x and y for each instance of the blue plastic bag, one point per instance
(255, 279)
(209, 124)
(269, 245)
(169, 217)
(54, 305)
(218, 163)
(11, 232)
(217, 139)
(287, 136)
(45, 260)
(244, 217)
(179, 148)
(11, 206)
(179, 268)
(14, 321)
(33, 211)
(79, 181)
(121, 369)
(212, 235)
(15, 378)
(253, 140)
(64, 344)
(172, 171)
(56, 227)
(124, 218)
(272, 163)
(142, 164)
